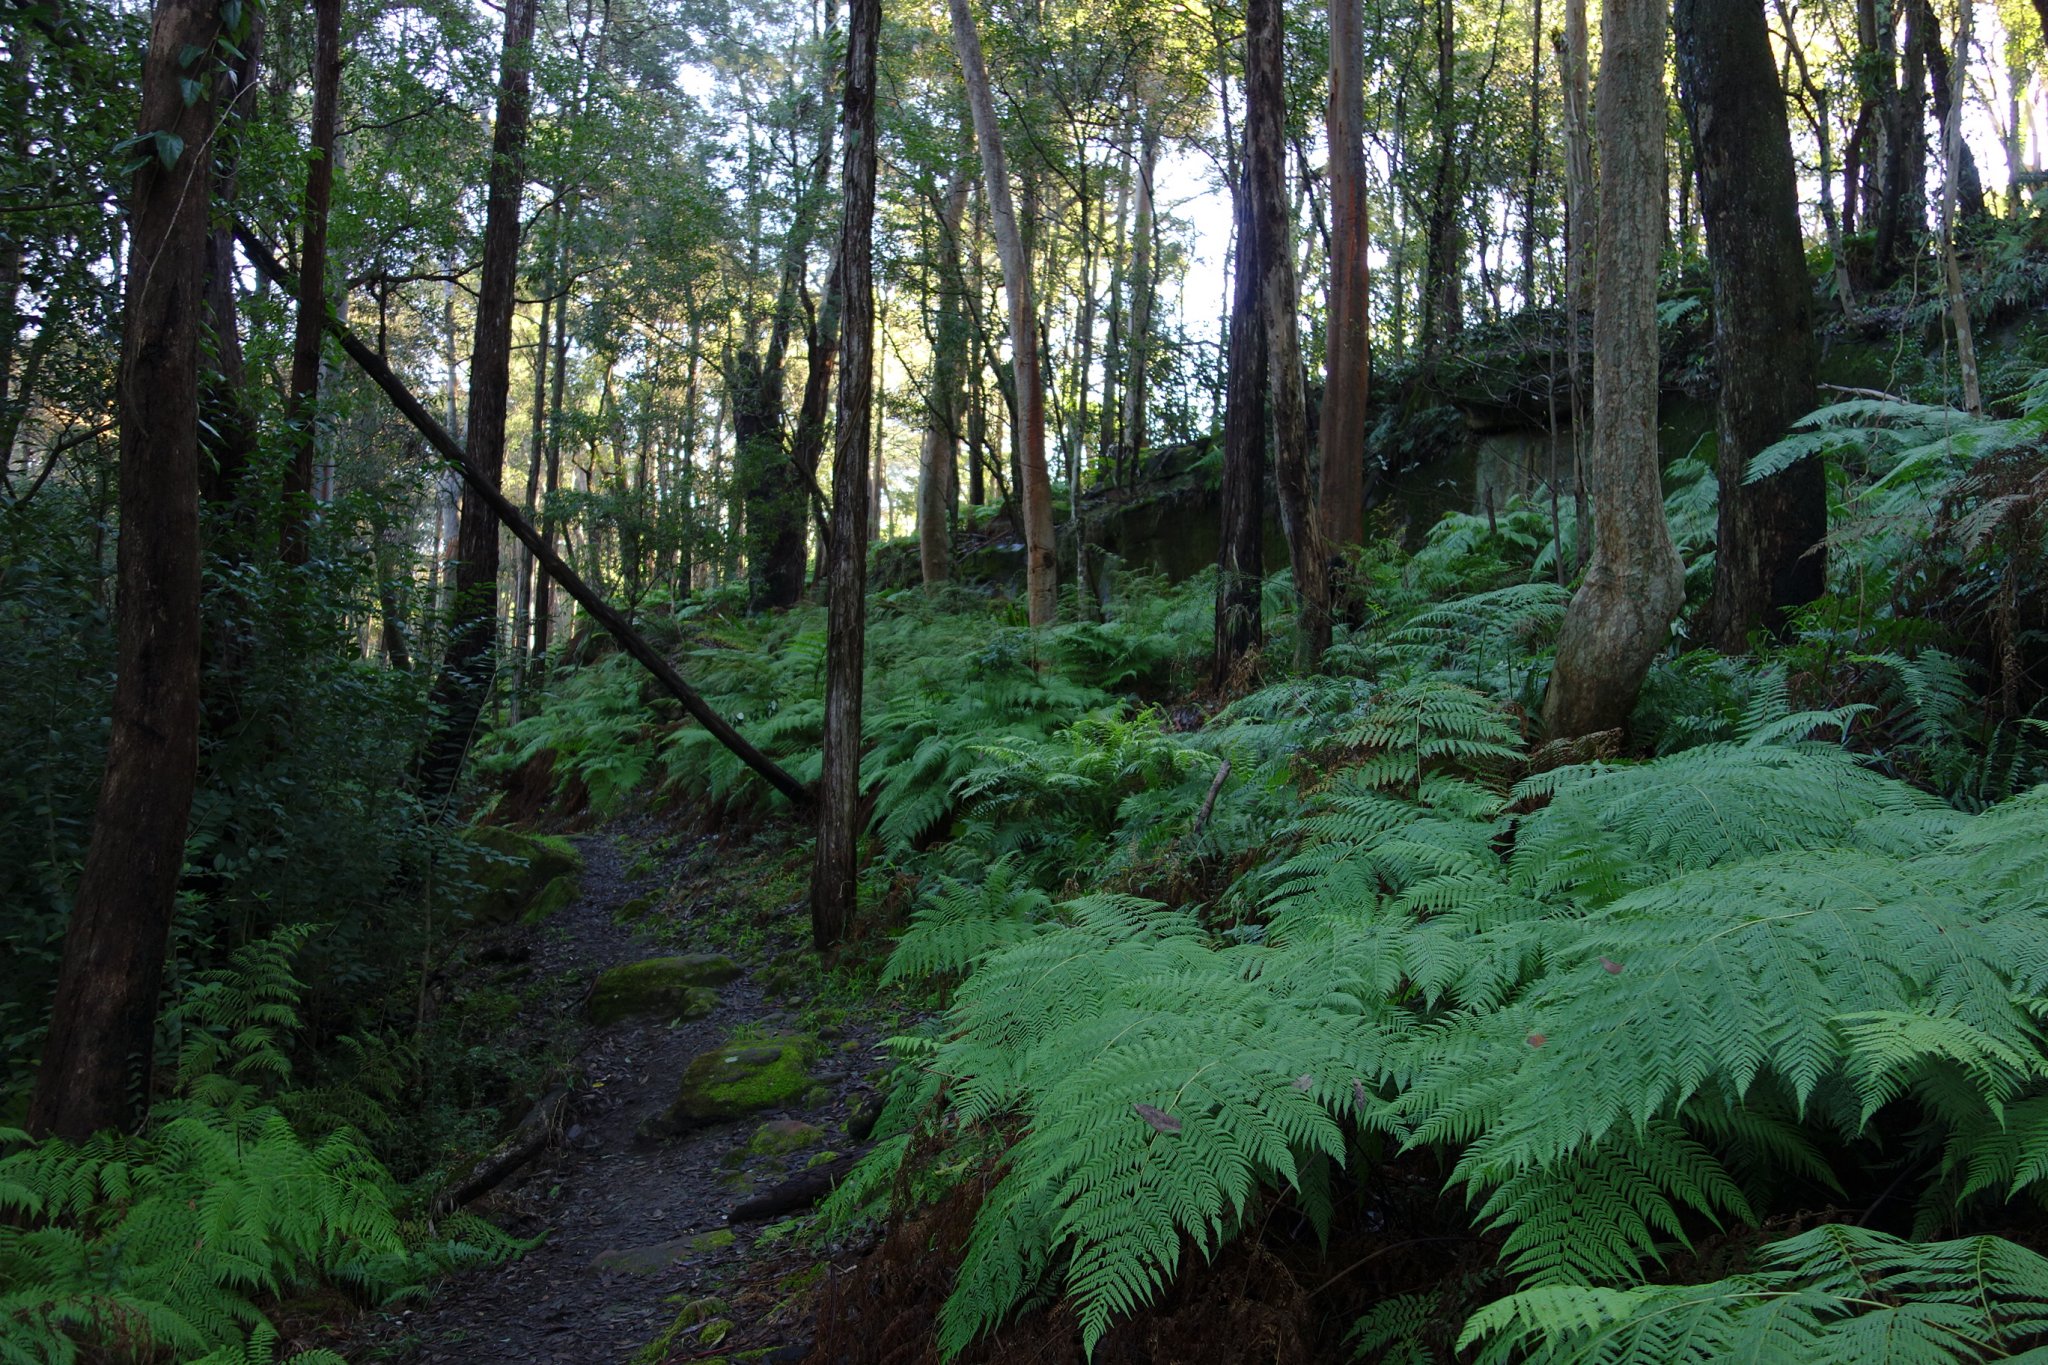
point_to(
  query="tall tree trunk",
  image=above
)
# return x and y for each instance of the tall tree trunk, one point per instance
(1948, 81)
(465, 679)
(1533, 182)
(835, 874)
(1621, 615)
(1580, 211)
(1041, 565)
(1962, 172)
(295, 541)
(1576, 76)
(1266, 170)
(1347, 352)
(1817, 102)
(1138, 348)
(945, 403)
(776, 476)
(96, 1059)
(1241, 556)
(1443, 273)
(543, 587)
(228, 423)
(536, 458)
(1767, 558)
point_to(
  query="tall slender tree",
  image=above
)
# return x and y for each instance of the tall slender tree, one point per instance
(834, 875)
(295, 541)
(1240, 566)
(467, 670)
(946, 398)
(96, 1060)
(1265, 123)
(1041, 566)
(1347, 367)
(1621, 615)
(1767, 558)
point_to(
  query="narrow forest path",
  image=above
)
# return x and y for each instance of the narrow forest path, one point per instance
(634, 1229)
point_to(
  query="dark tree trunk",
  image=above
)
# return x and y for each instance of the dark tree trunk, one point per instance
(1768, 558)
(1138, 349)
(834, 876)
(1621, 615)
(543, 587)
(295, 542)
(1266, 171)
(945, 401)
(1443, 307)
(1348, 362)
(96, 1060)
(775, 477)
(807, 451)
(466, 673)
(1969, 185)
(228, 430)
(1241, 558)
(1900, 212)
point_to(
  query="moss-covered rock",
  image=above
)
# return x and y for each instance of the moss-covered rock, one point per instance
(741, 1078)
(553, 897)
(668, 986)
(780, 1137)
(511, 870)
(717, 1240)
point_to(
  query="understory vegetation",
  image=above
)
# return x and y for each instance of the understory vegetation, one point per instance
(1723, 1044)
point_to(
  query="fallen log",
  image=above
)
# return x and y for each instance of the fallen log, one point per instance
(514, 520)
(540, 1127)
(800, 1191)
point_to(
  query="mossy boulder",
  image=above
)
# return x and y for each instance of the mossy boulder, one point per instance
(780, 1137)
(741, 1078)
(668, 986)
(553, 898)
(511, 871)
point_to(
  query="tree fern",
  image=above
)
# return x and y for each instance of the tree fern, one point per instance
(1838, 1295)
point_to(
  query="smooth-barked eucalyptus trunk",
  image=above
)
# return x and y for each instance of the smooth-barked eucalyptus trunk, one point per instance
(1041, 567)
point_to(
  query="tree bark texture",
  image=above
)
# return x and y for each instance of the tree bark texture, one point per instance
(835, 874)
(946, 402)
(96, 1060)
(1348, 355)
(1621, 615)
(1767, 558)
(1041, 565)
(294, 541)
(1241, 556)
(466, 671)
(1266, 168)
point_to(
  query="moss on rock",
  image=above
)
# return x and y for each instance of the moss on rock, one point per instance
(672, 986)
(553, 898)
(780, 1137)
(738, 1079)
(512, 870)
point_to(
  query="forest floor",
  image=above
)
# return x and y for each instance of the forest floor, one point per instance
(635, 1259)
